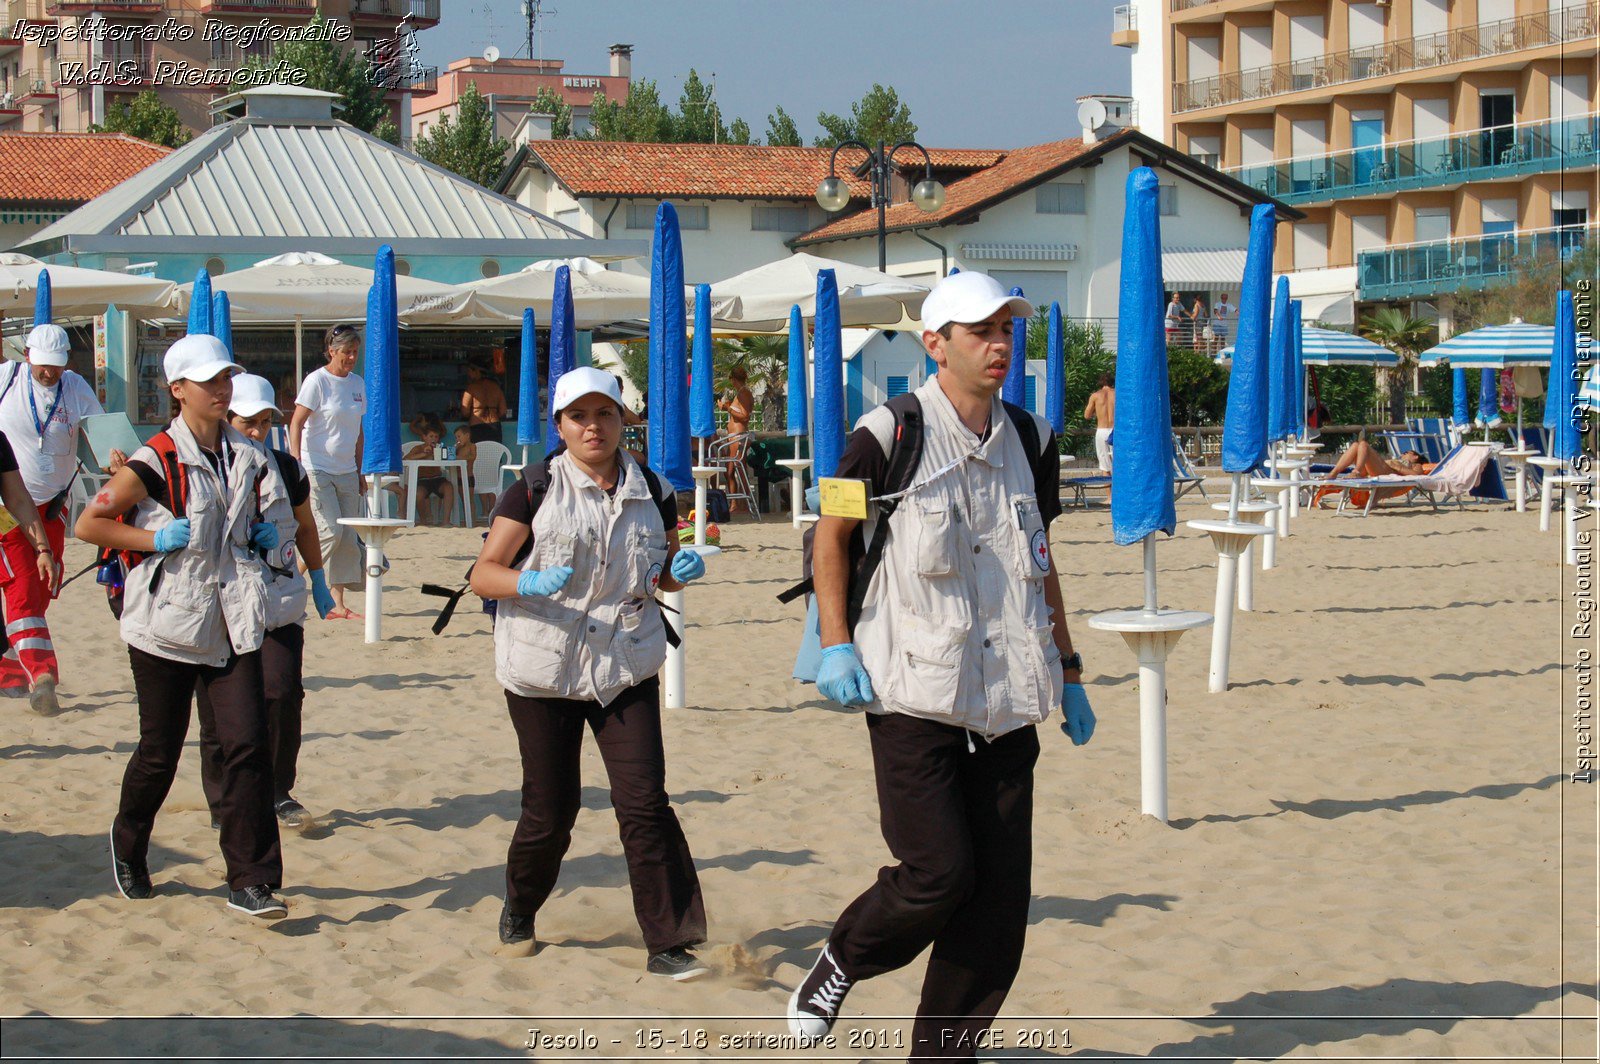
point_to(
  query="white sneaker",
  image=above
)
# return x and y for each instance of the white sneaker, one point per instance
(814, 1005)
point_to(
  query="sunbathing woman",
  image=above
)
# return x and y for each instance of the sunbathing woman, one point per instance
(1369, 463)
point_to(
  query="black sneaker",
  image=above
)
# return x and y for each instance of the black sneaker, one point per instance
(132, 877)
(676, 963)
(514, 927)
(257, 900)
(814, 1005)
(291, 814)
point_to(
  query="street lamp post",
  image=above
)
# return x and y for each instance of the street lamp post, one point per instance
(927, 194)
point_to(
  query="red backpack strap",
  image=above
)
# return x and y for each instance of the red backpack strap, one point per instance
(173, 471)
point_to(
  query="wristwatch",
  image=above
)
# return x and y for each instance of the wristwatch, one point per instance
(1072, 661)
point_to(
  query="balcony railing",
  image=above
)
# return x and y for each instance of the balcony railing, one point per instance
(1415, 271)
(1393, 57)
(1124, 17)
(417, 10)
(251, 6)
(84, 7)
(1499, 152)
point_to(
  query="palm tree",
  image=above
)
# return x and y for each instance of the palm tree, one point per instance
(1405, 336)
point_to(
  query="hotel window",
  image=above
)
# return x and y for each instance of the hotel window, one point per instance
(1059, 198)
(1310, 245)
(1569, 212)
(642, 215)
(1167, 198)
(781, 218)
(1207, 150)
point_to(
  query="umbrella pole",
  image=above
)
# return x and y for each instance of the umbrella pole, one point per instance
(1150, 600)
(299, 352)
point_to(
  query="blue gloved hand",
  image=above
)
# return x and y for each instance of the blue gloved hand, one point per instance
(173, 535)
(543, 582)
(264, 534)
(841, 676)
(813, 500)
(1079, 724)
(687, 565)
(321, 597)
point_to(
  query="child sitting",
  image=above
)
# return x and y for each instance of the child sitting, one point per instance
(466, 451)
(435, 494)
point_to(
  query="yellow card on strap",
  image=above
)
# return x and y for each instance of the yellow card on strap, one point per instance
(842, 497)
(7, 522)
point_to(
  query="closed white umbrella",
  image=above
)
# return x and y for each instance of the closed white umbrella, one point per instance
(758, 300)
(78, 291)
(599, 296)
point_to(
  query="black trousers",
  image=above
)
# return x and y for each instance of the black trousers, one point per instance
(282, 656)
(165, 688)
(666, 889)
(960, 822)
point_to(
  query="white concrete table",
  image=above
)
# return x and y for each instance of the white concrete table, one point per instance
(375, 533)
(1276, 486)
(1230, 539)
(1569, 485)
(1151, 635)
(1263, 510)
(455, 467)
(797, 500)
(1551, 468)
(674, 685)
(1519, 457)
(1290, 469)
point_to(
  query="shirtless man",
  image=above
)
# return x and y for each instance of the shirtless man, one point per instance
(483, 405)
(1369, 463)
(1102, 406)
(741, 404)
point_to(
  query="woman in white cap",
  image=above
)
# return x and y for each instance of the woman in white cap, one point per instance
(42, 404)
(325, 435)
(185, 517)
(284, 499)
(573, 558)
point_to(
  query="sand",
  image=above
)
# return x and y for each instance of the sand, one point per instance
(1371, 836)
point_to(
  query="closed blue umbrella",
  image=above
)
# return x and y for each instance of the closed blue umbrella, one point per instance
(1488, 398)
(702, 408)
(827, 350)
(669, 343)
(1562, 394)
(1460, 399)
(1297, 325)
(563, 346)
(798, 423)
(1141, 468)
(528, 385)
(1055, 368)
(1015, 388)
(1280, 354)
(200, 305)
(1244, 431)
(380, 427)
(43, 312)
(222, 320)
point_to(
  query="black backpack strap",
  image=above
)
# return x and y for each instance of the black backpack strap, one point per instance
(1027, 430)
(905, 454)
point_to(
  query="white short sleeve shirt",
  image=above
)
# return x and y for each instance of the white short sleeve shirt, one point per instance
(337, 405)
(47, 464)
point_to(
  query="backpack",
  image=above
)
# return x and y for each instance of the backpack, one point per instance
(113, 566)
(536, 482)
(905, 454)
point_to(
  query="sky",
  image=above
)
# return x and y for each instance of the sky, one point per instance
(995, 75)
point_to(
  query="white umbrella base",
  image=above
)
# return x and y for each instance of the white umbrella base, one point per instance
(375, 532)
(1230, 539)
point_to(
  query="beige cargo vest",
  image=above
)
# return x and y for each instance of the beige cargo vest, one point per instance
(287, 589)
(210, 600)
(955, 627)
(602, 632)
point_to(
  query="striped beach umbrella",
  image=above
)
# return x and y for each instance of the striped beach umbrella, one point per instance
(1330, 347)
(1589, 395)
(1495, 347)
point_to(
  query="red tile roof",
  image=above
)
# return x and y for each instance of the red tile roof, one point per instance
(719, 171)
(1014, 171)
(69, 168)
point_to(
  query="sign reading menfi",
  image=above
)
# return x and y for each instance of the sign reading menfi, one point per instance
(843, 497)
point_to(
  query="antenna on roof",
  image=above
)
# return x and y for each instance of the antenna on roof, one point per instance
(533, 10)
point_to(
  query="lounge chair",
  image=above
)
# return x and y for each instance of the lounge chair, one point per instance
(1184, 478)
(1466, 470)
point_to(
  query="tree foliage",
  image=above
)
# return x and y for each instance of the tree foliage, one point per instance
(466, 143)
(333, 67)
(1407, 337)
(147, 118)
(641, 118)
(781, 130)
(879, 115)
(548, 101)
(1529, 291)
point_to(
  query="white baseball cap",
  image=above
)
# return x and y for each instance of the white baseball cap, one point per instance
(251, 395)
(585, 380)
(47, 346)
(197, 357)
(969, 297)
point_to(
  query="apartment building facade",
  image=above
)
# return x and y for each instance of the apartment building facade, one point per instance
(1432, 144)
(511, 85)
(63, 63)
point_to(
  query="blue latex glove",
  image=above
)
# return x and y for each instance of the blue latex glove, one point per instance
(543, 582)
(687, 565)
(1079, 724)
(841, 676)
(264, 534)
(321, 597)
(814, 500)
(173, 536)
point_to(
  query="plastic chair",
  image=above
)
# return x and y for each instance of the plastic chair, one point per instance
(487, 468)
(727, 454)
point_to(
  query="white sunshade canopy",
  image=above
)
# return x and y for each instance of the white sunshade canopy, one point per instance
(758, 300)
(599, 296)
(77, 291)
(317, 288)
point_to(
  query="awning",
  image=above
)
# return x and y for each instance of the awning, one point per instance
(1021, 252)
(1330, 308)
(1202, 267)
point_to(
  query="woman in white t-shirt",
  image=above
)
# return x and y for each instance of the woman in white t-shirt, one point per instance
(325, 435)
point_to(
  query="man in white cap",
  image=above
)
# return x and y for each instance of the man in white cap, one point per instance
(958, 649)
(41, 406)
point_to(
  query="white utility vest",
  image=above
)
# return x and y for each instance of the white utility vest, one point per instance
(210, 598)
(955, 627)
(287, 589)
(602, 632)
